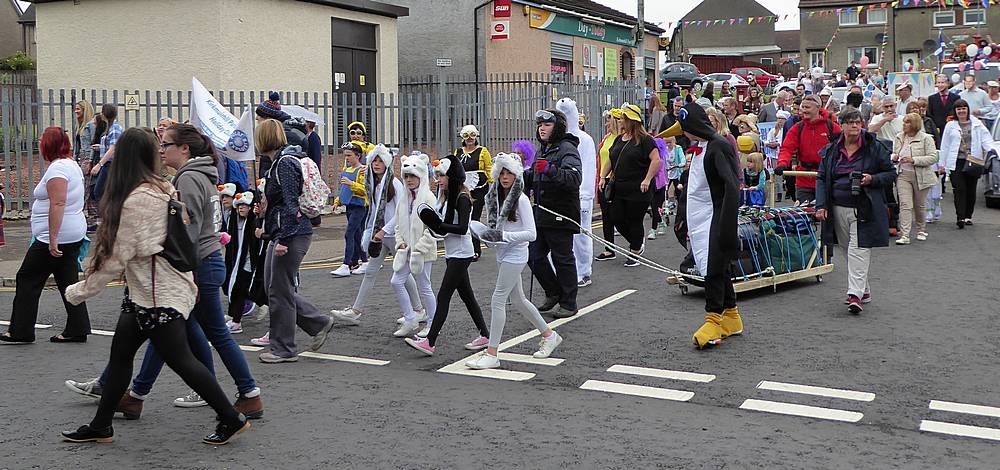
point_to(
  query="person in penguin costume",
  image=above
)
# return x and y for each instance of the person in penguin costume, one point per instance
(713, 194)
(583, 245)
(241, 258)
(416, 246)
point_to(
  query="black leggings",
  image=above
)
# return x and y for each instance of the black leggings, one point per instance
(607, 222)
(965, 191)
(629, 215)
(659, 197)
(456, 277)
(170, 340)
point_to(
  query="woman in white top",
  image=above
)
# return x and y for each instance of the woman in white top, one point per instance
(510, 227)
(58, 228)
(965, 144)
(379, 239)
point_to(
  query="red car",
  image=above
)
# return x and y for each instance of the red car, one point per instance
(760, 75)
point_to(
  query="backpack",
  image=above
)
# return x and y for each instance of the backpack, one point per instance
(315, 192)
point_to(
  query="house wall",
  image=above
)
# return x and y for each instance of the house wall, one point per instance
(10, 31)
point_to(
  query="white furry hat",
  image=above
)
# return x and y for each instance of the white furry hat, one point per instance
(228, 189)
(243, 198)
(414, 164)
(382, 152)
(469, 128)
(507, 161)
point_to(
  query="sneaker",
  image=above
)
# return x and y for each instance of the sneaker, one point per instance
(662, 228)
(903, 241)
(631, 262)
(425, 331)
(263, 340)
(854, 304)
(483, 361)
(343, 271)
(234, 328)
(89, 389)
(268, 358)
(320, 338)
(226, 432)
(922, 236)
(606, 255)
(867, 298)
(360, 270)
(422, 345)
(347, 315)
(406, 330)
(251, 407)
(191, 400)
(549, 304)
(477, 344)
(563, 312)
(586, 281)
(421, 317)
(968, 222)
(651, 235)
(86, 433)
(547, 345)
(248, 307)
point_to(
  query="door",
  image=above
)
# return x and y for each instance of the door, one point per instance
(354, 59)
(912, 57)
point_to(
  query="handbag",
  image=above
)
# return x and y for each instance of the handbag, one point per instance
(374, 248)
(180, 249)
(973, 167)
(609, 184)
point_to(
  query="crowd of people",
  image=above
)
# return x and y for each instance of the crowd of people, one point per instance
(697, 160)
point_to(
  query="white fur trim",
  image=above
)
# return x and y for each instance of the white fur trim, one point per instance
(507, 161)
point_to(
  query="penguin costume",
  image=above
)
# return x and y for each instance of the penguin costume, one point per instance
(713, 194)
(240, 255)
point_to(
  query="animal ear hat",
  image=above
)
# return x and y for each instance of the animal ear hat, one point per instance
(228, 189)
(243, 199)
(507, 161)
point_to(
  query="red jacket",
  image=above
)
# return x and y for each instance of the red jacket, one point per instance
(814, 136)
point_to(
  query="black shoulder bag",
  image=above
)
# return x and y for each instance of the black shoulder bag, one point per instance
(609, 184)
(180, 249)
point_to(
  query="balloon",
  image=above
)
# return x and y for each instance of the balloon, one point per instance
(864, 61)
(987, 51)
(907, 66)
(978, 65)
(961, 67)
(972, 50)
(955, 78)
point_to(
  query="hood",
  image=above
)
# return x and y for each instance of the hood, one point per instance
(203, 165)
(694, 120)
(416, 164)
(568, 107)
(452, 168)
(498, 212)
(507, 161)
(382, 153)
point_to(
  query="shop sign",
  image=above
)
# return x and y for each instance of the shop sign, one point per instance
(501, 8)
(499, 30)
(549, 21)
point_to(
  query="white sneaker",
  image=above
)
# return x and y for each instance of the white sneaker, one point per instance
(547, 345)
(263, 340)
(651, 235)
(421, 317)
(360, 270)
(922, 236)
(347, 315)
(903, 241)
(234, 328)
(484, 361)
(191, 400)
(343, 271)
(425, 331)
(407, 329)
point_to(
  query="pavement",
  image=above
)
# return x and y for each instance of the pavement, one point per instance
(807, 385)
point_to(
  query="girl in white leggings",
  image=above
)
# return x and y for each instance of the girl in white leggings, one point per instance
(510, 227)
(416, 247)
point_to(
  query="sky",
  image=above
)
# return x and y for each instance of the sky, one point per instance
(673, 10)
(24, 6)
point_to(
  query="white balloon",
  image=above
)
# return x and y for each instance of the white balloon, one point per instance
(987, 51)
(955, 78)
(971, 50)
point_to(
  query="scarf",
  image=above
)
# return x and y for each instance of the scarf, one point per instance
(497, 216)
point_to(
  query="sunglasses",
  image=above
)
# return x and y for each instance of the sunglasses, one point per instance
(356, 132)
(468, 135)
(351, 146)
(166, 145)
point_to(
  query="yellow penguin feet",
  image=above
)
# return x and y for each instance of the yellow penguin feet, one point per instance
(732, 324)
(711, 333)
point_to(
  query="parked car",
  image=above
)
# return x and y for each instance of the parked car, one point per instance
(684, 74)
(760, 75)
(718, 78)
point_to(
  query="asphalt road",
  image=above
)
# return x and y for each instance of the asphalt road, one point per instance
(930, 335)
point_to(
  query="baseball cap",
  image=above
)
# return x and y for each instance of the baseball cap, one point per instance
(993, 83)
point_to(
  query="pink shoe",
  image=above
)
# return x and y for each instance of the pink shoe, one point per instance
(263, 340)
(422, 345)
(478, 344)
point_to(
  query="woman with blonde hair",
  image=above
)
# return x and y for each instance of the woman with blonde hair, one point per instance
(721, 125)
(656, 111)
(747, 124)
(85, 127)
(914, 153)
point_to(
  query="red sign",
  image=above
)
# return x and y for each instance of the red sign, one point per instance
(501, 8)
(499, 30)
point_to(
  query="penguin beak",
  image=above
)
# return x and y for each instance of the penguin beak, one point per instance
(673, 131)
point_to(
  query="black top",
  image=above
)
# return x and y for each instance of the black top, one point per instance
(634, 165)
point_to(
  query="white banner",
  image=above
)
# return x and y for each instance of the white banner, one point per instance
(233, 139)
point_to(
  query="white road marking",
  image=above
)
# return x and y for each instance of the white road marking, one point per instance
(637, 390)
(960, 430)
(102, 332)
(38, 326)
(801, 410)
(251, 348)
(662, 373)
(339, 358)
(965, 408)
(458, 367)
(524, 358)
(817, 391)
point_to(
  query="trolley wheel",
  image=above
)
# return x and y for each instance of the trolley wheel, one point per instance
(819, 279)
(684, 289)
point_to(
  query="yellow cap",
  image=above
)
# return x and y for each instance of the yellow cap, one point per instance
(745, 143)
(358, 124)
(672, 131)
(616, 113)
(631, 111)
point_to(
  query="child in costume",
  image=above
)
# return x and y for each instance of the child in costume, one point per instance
(242, 255)
(258, 294)
(416, 247)
(353, 197)
(510, 227)
(227, 193)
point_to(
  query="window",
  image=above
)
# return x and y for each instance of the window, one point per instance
(971, 17)
(854, 54)
(766, 60)
(944, 18)
(817, 59)
(877, 16)
(848, 17)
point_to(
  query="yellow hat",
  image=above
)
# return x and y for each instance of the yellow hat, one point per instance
(616, 113)
(631, 111)
(358, 124)
(745, 143)
(672, 131)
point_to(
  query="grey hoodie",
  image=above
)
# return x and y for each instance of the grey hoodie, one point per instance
(195, 181)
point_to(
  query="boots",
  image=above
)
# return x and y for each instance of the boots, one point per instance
(129, 406)
(252, 407)
(732, 324)
(710, 334)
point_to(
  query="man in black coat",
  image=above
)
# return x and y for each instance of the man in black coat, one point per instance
(555, 183)
(940, 104)
(713, 193)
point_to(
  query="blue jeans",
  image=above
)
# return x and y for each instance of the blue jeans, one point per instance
(354, 253)
(205, 324)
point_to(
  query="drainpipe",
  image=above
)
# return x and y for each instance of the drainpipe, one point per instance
(475, 42)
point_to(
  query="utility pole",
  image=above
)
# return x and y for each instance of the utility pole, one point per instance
(640, 26)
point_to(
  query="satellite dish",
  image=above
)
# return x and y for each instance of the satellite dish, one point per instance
(929, 46)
